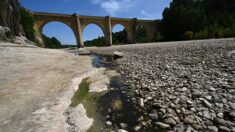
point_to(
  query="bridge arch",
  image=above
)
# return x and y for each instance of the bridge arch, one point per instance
(42, 24)
(60, 28)
(93, 23)
(100, 39)
(119, 34)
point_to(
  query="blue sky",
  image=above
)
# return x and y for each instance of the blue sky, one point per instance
(142, 9)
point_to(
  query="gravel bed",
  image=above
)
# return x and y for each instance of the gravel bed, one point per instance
(182, 86)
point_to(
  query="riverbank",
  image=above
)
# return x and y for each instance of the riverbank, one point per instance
(36, 86)
(181, 86)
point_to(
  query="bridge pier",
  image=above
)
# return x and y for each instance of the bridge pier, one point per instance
(78, 31)
(151, 32)
(131, 32)
(108, 31)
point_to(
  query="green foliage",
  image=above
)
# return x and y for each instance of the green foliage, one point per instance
(188, 35)
(51, 43)
(27, 22)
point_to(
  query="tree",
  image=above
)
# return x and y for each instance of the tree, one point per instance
(51, 43)
(206, 18)
(119, 37)
(27, 22)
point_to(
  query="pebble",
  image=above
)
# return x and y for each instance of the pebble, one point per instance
(177, 119)
(192, 109)
(220, 121)
(232, 105)
(107, 116)
(153, 116)
(122, 130)
(232, 114)
(196, 93)
(189, 129)
(162, 125)
(224, 100)
(141, 102)
(206, 103)
(212, 88)
(220, 115)
(188, 120)
(137, 128)
(189, 102)
(170, 121)
(123, 125)
(224, 129)
(163, 110)
(213, 128)
(197, 127)
(208, 97)
(108, 123)
(184, 89)
(172, 105)
(206, 114)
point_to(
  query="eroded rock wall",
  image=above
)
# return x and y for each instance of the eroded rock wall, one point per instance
(10, 16)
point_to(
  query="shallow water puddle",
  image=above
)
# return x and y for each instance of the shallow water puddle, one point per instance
(113, 105)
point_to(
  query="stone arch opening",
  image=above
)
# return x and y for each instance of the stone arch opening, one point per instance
(119, 34)
(59, 30)
(141, 34)
(93, 35)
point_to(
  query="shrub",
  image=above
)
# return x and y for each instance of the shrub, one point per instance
(188, 35)
(212, 31)
(219, 33)
(203, 34)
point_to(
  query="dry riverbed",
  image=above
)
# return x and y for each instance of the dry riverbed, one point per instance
(176, 86)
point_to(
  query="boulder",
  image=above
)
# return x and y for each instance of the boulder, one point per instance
(83, 51)
(19, 40)
(5, 33)
(117, 55)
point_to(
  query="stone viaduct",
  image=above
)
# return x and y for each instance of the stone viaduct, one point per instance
(77, 23)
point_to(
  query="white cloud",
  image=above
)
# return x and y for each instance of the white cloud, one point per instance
(115, 6)
(149, 15)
